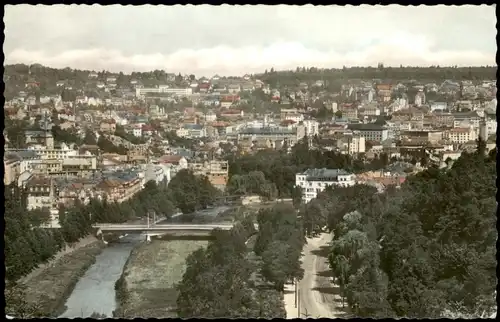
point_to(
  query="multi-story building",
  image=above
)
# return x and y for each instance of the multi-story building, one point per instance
(192, 131)
(471, 118)
(108, 126)
(44, 138)
(138, 153)
(311, 127)
(119, 186)
(371, 132)
(461, 135)
(430, 136)
(165, 90)
(351, 143)
(48, 153)
(314, 181)
(217, 172)
(292, 136)
(296, 118)
(40, 193)
(12, 168)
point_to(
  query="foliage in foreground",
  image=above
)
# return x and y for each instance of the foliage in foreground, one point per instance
(426, 250)
(228, 281)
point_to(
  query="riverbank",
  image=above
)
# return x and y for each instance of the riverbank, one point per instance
(50, 285)
(146, 288)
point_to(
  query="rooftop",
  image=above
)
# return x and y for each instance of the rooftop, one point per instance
(267, 130)
(365, 127)
(322, 174)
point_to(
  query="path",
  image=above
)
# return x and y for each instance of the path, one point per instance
(318, 297)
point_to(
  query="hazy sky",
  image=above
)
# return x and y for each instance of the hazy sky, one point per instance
(233, 40)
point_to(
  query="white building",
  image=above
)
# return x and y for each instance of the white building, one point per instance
(164, 89)
(461, 135)
(420, 98)
(210, 116)
(351, 144)
(297, 117)
(312, 127)
(154, 173)
(314, 181)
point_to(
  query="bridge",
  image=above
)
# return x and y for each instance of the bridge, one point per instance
(170, 229)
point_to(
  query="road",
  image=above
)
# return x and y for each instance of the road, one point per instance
(317, 298)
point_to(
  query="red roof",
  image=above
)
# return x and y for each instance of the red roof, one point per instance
(172, 159)
(147, 127)
(232, 111)
(219, 124)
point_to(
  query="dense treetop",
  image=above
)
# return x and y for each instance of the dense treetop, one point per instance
(425, 250)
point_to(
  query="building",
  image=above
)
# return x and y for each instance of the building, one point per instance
(39, 138)
(175, 163)
(108, 126)
(461, 135)
(314, 181)
(217, 172)
(371, 132)
(422, 137)
(164, 90)
(40, 193)
(12, 168)
(119, 186)
(155, 173)
(273, 134)
(192, 131)
(311, 127)
(351, 143)
(138, 153)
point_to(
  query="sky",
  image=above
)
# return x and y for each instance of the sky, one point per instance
(234, 40)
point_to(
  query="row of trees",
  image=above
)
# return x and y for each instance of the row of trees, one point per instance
(252, 183)
(28, 244)
(335, 78)
(229, 280)
(425, 250)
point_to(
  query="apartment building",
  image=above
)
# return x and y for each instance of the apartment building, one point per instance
(181, 92)
(192, 131)
(119, 186)
(430, 136)
(314, 181)
(351, 144)
(216, 171)
(311, 127)
(292, 136)
(138, 153)
(12, 168)
(40, 193)
(371, 132)
(44, 138)
(108, 126)
(461, 135)
(296, 118)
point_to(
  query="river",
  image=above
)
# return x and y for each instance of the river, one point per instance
(95, 291)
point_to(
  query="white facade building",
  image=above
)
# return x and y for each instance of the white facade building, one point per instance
(297, 118)
(461, 135)
(154, 173)
(314, 181)
(164, 89)
(311, 127)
